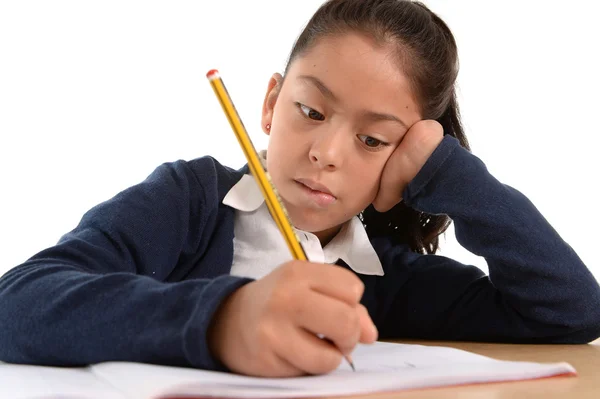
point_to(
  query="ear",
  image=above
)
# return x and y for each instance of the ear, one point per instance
(270, 99)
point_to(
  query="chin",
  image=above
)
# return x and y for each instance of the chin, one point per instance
(315, 223)
(308, 223)
(311, 227)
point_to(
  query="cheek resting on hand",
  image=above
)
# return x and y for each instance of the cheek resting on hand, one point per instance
(406, 161)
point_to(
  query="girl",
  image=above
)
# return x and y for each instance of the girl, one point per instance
(368, 154)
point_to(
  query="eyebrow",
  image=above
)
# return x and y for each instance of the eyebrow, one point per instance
(374, 116)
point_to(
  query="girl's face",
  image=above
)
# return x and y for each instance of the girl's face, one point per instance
(342, 109)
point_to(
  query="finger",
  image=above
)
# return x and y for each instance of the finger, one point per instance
(406, 161)
(335, 281)
(304, 351)
(392, 182)
(284, 369)
(268, 363)
(418, 146)
(395, 176)
(276, 367)
(368, 330)
(384, 202)
(332, 318)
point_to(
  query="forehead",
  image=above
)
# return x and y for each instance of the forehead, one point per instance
(359, 72)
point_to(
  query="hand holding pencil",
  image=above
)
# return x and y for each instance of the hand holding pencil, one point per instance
(270, 327)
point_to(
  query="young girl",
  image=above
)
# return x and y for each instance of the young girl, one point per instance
(368, 154)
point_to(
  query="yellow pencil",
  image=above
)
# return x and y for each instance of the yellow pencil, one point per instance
(262, 177)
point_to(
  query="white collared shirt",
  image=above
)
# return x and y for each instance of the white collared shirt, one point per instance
(259, 247)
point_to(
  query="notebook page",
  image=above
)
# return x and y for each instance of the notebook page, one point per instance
(380, 367)
(38, 382)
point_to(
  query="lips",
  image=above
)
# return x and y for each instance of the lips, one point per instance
(313, 185)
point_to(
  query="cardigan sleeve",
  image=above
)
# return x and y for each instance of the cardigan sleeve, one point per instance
(100, 294)
(538, 289)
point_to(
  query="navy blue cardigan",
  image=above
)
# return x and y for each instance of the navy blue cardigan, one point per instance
(141, 275)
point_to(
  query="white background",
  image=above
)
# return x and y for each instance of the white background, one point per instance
(95, 94)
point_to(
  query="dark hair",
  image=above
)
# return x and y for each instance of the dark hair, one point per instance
(426, 51)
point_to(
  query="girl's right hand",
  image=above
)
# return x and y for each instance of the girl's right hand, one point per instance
(269, 327)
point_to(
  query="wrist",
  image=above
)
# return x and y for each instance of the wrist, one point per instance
(216, 334)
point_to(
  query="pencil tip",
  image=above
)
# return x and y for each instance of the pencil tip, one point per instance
(350, 362)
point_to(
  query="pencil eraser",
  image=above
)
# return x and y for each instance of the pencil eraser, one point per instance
(212, 74)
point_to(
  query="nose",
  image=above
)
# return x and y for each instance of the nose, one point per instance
(327, 151)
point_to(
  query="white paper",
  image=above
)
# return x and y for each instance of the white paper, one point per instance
(380, 367)
(38, 382)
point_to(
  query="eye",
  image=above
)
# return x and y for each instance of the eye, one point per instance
(310, 113)
(372, 142)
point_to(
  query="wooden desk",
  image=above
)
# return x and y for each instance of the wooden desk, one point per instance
(585, 359)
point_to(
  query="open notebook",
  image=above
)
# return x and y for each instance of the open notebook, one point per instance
(381, 367)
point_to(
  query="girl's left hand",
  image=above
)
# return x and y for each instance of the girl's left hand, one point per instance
(406, 161)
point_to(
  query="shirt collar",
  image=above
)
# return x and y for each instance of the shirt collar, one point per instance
(351, 244)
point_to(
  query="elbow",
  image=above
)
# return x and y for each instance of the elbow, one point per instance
(9, 348)
(16, 317)
(583, 336)
(584, 326)
(591, 330)
(584, 316)
(576, 322)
